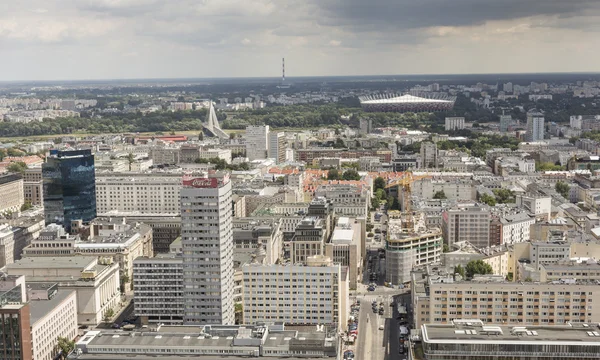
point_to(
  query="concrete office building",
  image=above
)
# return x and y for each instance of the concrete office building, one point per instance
(540, 206)
(207, 243)
(496, 301)
(11, 188)
(309, 239)
(257, 142)
(454, 123)
(535, 126)
(158, 289)
(277, 146)
(467, 339)
(162, 155)
(146, 193)
(467, 222)
(405, 250)
(429, 155)
(96, 283)
(53, 315)
(15, 235)
(251, 233)
(69, 187)
(209, 342)
(347, 199)
(15, 337)
(345, 248)
(314, 293)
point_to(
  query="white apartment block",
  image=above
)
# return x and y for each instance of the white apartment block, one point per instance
(526, 166)
(50, 319)
(96, 283)
(158, 289)
(515, 228)
(454, 123)
(540, 206)
(257, 142)
(345, 248)
(147, 193)
(315, 293)
(458, 189)
(223, 154)
(207, 243)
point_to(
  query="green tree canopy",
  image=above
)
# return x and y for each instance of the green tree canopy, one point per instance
(562, 188)
(504, 196)
(439, 195)
(351, 174)
(65, 346)
(458, 269)
(379, 183)
(333, 174)
(488, 199)
(478, 267)
(17, 167)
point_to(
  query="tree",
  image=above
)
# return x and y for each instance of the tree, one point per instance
(488, 199)
(548, 166)
(351, 174)
(339, 143)
(65, 346)
(375, 203)
(504, 196)
(108, 314)
(201, 136)
(445, 248)
(458, 269)
(333, 174)
(379, 183)
(562, 188)
(439, 195)
(26, 206)
(17, 167)
(478, 267)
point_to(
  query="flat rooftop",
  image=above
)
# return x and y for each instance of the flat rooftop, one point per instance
(70, 262)
(40, 308)
(580, 334)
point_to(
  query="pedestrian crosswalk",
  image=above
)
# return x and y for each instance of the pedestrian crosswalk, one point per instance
(374, 297)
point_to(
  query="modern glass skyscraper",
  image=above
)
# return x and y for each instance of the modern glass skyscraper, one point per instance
(69, 187)
(207, 244)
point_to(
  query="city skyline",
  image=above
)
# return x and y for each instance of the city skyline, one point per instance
(112, 39)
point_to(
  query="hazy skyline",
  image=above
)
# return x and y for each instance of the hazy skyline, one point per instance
(100, 39)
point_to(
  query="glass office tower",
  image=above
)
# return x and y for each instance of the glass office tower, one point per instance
(69, 187)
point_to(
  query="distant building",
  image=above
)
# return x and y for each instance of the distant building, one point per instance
(33, 186)
(505, 121)
(454, 123)
(69, 187)
(277, 146)
(366, 126)
(467, 222)
(257, 142)
(429, 155)
(535, 127)
(406, 103)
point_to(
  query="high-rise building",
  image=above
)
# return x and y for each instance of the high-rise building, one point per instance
(505, 121)
(454, 123)
(257, 142)
(535, 126)
(429, 155)
(69, 187)
(366, 126)
(277, 146)
(207, 244)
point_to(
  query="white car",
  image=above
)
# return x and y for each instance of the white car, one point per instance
(381, 327)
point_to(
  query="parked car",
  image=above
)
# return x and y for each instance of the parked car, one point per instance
(381, 327)
(371, 288)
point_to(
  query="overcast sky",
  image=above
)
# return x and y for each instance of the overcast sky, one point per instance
(110, 39)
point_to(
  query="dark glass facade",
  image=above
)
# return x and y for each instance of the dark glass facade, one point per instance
(69, 187)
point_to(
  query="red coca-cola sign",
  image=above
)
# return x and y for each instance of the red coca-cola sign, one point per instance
(201, 182)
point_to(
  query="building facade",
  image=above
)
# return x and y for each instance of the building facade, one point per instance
(535, 127)
(257, 142)
(454, 123)
(69, 187)
(11, 188)
(315, 293)
(277, 146)
(467, 222)
(207, 243)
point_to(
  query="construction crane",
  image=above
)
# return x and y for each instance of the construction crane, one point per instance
(404, 185)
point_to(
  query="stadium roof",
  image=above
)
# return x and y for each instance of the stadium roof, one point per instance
(402, 99)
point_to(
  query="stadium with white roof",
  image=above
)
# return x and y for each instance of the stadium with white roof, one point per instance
(406, 103)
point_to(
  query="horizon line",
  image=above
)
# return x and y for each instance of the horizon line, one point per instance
(295, 77)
